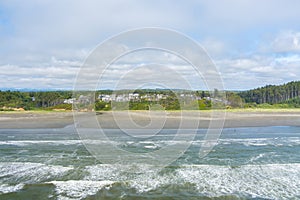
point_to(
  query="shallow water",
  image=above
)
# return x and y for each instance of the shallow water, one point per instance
(247, 163)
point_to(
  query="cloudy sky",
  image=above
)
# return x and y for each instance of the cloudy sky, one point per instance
(43, 44)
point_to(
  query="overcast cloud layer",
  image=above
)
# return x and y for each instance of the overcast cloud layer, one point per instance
(253, 43)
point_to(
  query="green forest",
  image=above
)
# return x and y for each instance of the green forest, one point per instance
(286, 95)
(269, 96)
(46, 100)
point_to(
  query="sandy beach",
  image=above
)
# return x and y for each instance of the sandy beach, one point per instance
(170, 119)
(23, 120)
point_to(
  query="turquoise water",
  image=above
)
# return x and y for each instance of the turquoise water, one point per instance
(247, 163)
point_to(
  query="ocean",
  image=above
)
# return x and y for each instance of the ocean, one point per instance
(246, 163)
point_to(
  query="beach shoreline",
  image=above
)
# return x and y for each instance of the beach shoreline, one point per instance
(233, 118)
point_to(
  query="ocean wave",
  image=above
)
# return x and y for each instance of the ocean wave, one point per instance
(13, 174)
(78, 189)
(277, 141)
(270, 181)
(267, 181)
(47, 142)
(151, 143)
(6, 188)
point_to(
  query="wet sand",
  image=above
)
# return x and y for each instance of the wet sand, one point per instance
(169, 119)
(23, 120)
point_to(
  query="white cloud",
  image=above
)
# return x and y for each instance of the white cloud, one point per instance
(263, 69)
(215, 48)
(45, 42)
(239, 15)
(51, 77)
(134, 76)
(288, 59)
(256, 71)
(287, 41)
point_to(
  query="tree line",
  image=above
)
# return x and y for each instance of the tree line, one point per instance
(271, 94)
(33, 100)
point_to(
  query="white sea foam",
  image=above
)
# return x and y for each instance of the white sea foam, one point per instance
(6, 188)
(141, 177)
(150, 147)
(290, 141)
(48, 142)
(117, 172)
(78, 189)
(104, 172)
(12, 174)
(260, 156)
(270, 181)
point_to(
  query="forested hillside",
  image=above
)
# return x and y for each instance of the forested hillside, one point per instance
(271, 94)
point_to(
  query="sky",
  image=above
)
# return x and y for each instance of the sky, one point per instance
(43, 44)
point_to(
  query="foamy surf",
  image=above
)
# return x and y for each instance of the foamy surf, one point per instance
(247, 163)
(269, 181)
(40, 142)
(78, 189)
(13, 175)
(6, 188)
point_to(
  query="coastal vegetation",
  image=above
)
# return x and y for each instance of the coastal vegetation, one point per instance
(271, 94)
(267, 97)
(46, 100)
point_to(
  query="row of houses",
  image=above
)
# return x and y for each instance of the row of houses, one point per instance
(81, 99)
(138, 97)
(119, 98)
(130, 97)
